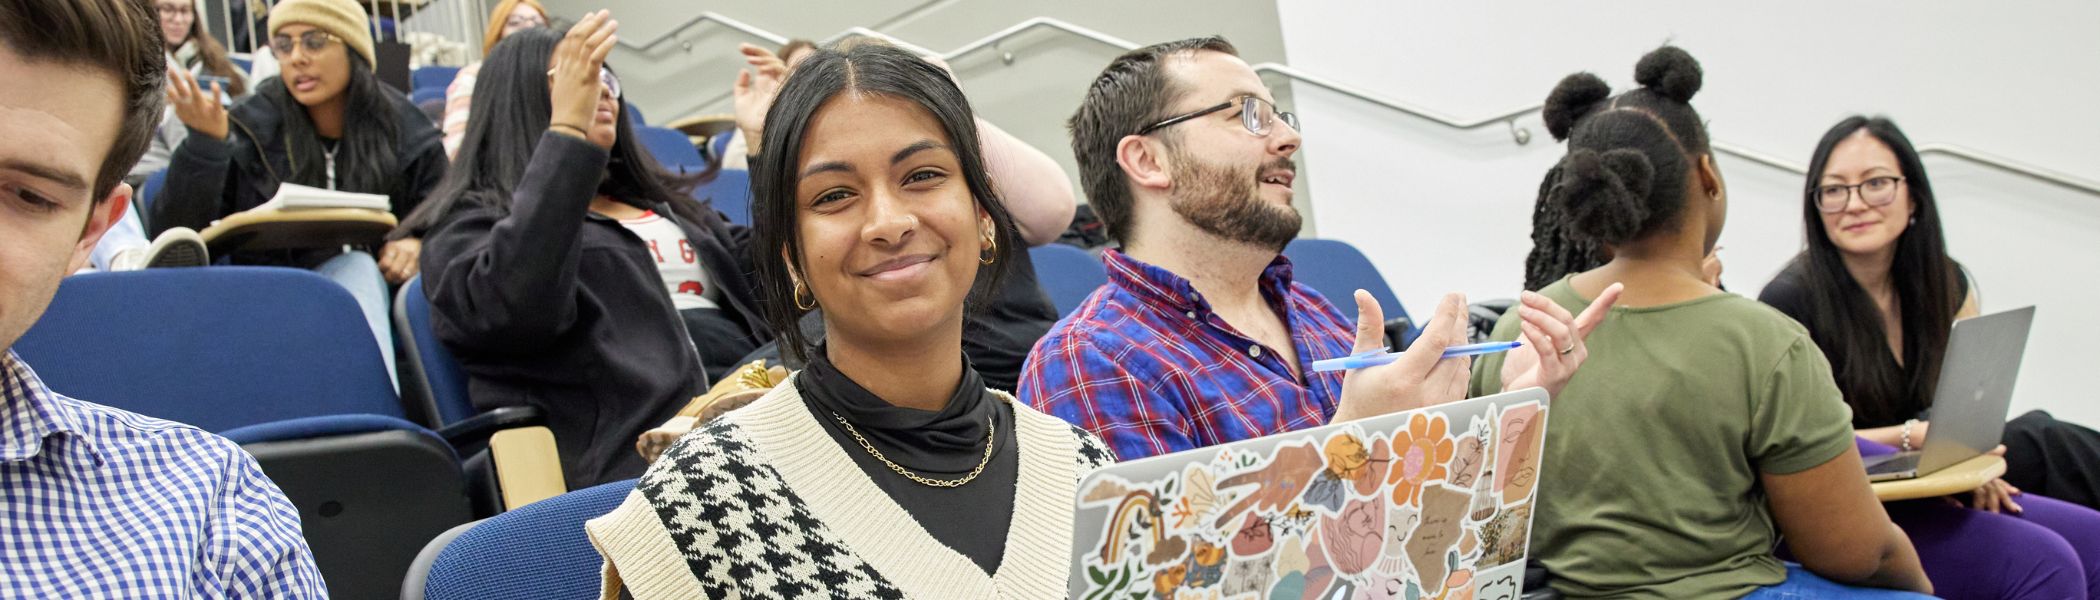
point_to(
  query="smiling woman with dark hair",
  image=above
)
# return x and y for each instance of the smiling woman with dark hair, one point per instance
(886, 468)
(1879, 294)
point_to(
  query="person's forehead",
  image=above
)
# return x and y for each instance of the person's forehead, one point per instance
(1860, 152)
(855, 126)
(66, 123)
(1208, 77)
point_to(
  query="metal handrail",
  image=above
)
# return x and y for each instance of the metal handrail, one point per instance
(1509, 118)
(2011, 166)
(705, 17)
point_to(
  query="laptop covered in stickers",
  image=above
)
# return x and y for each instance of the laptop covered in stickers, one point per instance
(1428, 503)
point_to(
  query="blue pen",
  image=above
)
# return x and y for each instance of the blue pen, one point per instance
(1375, 357)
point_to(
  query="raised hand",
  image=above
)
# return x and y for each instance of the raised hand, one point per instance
(1553, 341)
(1421, 377)
(754, 91)
(201, 112)
(575, 88)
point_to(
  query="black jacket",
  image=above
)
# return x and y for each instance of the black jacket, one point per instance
(551, 306)
(209, 179)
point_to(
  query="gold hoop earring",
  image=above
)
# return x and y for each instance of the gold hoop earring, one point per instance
(991, 252)
(800, 290)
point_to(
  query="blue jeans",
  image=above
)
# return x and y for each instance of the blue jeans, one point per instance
(359, 273)
(1803, 585)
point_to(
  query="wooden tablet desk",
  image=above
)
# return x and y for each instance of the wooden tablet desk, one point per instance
(296, 229)
(1961, 478)
(704, 127)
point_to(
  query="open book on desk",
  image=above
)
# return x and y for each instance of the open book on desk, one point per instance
(292, 196)
(301, 217)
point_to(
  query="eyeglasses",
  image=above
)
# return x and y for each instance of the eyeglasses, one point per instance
(520, 21)
(173, 10)
(611, 81)
(313, 41)
(1879, 191)
(605, 78)
(1256, 115)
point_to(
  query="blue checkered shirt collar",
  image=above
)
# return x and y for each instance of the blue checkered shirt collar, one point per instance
(31, 413)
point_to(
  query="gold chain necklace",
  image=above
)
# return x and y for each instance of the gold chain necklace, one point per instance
(991, 431)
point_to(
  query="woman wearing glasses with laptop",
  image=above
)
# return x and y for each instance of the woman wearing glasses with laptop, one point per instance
(1879, 295)
(325, 122)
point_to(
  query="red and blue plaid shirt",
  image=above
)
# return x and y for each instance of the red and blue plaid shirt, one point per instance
(1146, 365)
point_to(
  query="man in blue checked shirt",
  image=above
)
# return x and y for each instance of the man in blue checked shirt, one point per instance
(96, 502)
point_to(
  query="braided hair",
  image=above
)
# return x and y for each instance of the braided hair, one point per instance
(1629, 158)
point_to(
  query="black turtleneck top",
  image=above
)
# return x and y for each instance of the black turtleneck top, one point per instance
(945, 444)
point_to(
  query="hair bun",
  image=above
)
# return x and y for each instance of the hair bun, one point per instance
(1670, 71)
(1605, 194)
(1576, 95)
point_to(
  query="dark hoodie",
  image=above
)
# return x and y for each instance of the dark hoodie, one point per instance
(549, 305)
(209, 179)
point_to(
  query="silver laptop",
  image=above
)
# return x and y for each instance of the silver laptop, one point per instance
(1418, 504)
(1974, 393)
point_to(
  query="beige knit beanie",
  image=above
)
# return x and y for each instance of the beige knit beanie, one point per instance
(342, 18)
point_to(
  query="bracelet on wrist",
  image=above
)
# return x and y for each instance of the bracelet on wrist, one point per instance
(579, 131)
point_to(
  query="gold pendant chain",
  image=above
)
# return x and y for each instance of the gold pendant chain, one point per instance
(991, 433)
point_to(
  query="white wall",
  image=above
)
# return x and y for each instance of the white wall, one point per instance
(1030, 97)
(1442, 210)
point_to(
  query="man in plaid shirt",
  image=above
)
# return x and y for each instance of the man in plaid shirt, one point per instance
(97, 502)
(1201, 337)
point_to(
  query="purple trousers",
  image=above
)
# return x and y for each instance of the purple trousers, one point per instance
(2050, 550)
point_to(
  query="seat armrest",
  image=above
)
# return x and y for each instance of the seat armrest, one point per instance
(475, 431)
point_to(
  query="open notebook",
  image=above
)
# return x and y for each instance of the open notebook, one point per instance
(1429, 503)
(292, 196)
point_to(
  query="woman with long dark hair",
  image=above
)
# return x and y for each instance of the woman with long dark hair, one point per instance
(325, 122)
(1879, 293)
(1683, 378)
(886, 468)
(1878, 290)
(562, 259)
(193, 50)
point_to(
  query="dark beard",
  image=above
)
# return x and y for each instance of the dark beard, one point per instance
(1229, 205)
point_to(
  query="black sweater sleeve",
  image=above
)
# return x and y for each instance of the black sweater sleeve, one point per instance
(200, 184)
(421, 176)
(509, 282)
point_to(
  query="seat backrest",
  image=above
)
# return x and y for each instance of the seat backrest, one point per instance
(433, 377)
(719, 145)
(1068, 274)
(214, 347)
(729, 192)
(537, 551)
(1336, 270)
(671, 148)
(426, 94)
(148, 189)
(433, 76)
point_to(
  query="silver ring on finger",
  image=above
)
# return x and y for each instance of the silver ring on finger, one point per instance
(1565, 351)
